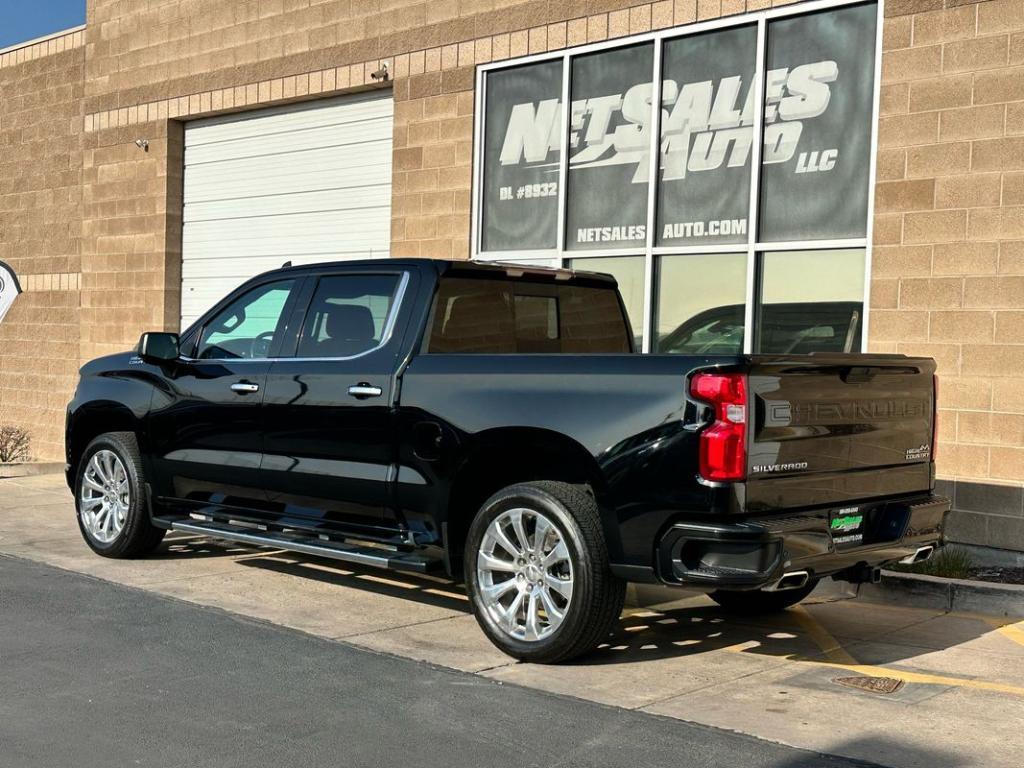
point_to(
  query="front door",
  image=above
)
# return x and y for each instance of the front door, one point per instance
(329, 445)
(206, 421)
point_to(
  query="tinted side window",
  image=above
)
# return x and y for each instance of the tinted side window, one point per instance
(247, 327)
(347, 315)
(495, 316)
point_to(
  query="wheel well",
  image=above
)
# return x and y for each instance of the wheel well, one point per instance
(93, 421)
(505, 457)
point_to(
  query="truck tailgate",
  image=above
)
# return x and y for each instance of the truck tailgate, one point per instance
(832, 429)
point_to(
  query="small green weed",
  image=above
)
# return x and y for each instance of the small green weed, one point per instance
(948, 562)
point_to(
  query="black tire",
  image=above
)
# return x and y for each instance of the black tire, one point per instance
(756, 602)
(597, 595)
(138, 536)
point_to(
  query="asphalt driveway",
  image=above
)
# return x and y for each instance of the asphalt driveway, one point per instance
(94, 674)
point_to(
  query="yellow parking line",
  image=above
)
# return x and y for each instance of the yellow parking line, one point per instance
(839, 658)
(926, 679)
(1013, 631)
(822, 637)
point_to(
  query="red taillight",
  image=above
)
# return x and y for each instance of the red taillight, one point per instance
(935, 417)
(723, 445)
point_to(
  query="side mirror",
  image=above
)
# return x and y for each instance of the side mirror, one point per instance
(158, 347)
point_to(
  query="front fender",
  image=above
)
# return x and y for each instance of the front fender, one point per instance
(113, 400)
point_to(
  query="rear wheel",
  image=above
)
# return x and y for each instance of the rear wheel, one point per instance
(758, 602)
(537, 570)
(109, 498)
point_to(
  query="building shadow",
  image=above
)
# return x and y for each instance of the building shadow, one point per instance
(426, 590)
(876, 751)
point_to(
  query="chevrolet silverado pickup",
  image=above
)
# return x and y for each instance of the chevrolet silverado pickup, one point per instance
(495, 422)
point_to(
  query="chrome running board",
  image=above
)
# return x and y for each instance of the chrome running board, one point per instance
(294, 541)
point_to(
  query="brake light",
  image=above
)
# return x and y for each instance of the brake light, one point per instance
(723, 445)
(935, 416)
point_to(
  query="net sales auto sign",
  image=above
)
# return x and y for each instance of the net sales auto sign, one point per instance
(815, 154)
(9, 289)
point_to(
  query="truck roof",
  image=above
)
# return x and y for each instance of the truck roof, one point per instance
(467, 267)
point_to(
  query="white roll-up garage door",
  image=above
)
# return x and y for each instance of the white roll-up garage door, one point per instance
(303, 183)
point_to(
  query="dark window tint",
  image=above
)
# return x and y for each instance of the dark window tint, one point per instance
(347, 315)
(609, 144)
(629, 272)
(505, 316)
(247, 327)
(521, 151)
(819, 89)
(706, 136)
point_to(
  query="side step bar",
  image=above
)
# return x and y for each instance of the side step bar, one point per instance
(309, 545)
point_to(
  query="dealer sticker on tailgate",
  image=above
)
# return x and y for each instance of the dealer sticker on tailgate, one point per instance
(847, 527)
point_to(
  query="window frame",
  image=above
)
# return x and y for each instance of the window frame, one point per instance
(301, 312)
(557, 256)
(196, 331)
(295, 310)
(424, 344)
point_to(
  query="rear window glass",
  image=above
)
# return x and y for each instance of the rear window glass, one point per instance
(495, 316)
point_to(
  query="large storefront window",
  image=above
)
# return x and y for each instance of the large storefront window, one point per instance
(732, 203)
(818, 117)
(707, 132)
(521, 180)
(609, 147)
(699, 308)
(811, 301)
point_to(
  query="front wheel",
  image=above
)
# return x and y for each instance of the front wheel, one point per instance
(758, 602)
(109, 498)
(538, 574)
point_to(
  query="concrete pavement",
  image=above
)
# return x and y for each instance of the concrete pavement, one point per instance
(961, 704)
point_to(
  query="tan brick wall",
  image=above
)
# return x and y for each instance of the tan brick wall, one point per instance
(948, 276)
(41, 88)
(131, 235)
(949, 224)
(150, 66)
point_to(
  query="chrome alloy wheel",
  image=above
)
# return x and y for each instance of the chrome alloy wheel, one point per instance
(524, 574)
(104, 497)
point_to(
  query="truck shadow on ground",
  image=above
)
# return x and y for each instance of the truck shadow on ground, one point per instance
(697, 627)
(814, 631)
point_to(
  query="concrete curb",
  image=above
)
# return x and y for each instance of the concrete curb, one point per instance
(920, 591)
(34, 468)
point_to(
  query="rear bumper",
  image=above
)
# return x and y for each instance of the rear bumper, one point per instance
(756, 552)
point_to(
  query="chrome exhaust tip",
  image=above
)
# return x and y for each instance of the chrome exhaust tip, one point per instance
(791, 580)
(919, 556)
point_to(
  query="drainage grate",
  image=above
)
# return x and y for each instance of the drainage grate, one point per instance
(871, 684)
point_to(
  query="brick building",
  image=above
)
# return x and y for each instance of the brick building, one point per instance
(150, 161)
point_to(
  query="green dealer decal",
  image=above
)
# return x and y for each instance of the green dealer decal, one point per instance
(847, 522)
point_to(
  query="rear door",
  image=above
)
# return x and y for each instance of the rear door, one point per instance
(329, 433)
(832, 429)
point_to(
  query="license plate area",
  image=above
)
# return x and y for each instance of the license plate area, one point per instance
(865, 524)
(847, 526)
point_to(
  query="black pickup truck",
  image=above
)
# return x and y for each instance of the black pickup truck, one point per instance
(495, 422)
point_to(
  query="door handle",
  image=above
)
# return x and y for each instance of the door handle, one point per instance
(244, 387)
(362, 390)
